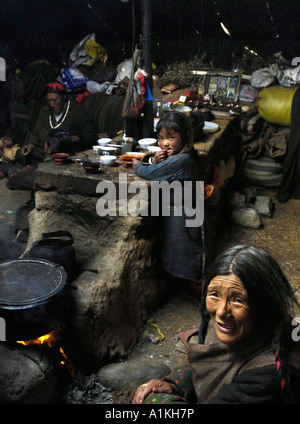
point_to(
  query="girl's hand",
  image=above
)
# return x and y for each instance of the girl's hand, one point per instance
(153, 386)
(160, 156)
(134, 162)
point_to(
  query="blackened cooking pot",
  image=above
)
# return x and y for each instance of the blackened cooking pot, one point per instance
(56, 247)
(33, 301)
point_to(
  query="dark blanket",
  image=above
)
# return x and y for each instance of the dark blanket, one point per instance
(290, 181)
(105, 112)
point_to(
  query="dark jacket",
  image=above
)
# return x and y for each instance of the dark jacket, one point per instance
(76, 122)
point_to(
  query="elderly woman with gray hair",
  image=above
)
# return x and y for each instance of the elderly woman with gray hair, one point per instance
(248, 350)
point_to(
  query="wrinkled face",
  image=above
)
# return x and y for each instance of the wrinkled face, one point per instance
(227, 304)
(55, 101)
(171, 141)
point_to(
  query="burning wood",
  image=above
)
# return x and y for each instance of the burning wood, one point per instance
(51, 340)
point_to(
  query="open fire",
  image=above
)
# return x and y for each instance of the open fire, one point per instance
(51, 340)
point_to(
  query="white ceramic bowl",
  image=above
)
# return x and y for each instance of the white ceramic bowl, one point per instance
(97, 150)
(108, 159)
(146, 142)
(135, 154)
(107, 150)
(104, 141)
(184, 109)
(153, 149)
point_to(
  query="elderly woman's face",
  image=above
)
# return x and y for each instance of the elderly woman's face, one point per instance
(227, 304)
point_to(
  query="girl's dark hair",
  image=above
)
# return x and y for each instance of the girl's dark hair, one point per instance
(179, 122)
(270, 294)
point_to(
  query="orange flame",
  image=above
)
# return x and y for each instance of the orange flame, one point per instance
(51, 340)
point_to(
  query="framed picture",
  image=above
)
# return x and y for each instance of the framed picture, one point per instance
(224, 86)
(213, 86)
(232, 87)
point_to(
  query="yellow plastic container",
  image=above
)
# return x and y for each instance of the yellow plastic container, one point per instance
(274, 104)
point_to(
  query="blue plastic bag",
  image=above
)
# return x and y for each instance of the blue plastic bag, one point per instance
(73, 79)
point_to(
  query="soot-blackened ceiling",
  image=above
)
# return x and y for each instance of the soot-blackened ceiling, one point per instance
(32, 29)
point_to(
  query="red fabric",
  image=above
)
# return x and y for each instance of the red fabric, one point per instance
(141, 98)
(82, 96)
(57, 86)
(142, 81)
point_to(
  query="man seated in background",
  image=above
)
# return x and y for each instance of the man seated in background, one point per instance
(60, 113)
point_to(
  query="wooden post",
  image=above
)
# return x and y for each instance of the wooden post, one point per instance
(147, 62)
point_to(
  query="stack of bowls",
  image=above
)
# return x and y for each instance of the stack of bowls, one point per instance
(61, 158)
(106, 150)
(97, 150)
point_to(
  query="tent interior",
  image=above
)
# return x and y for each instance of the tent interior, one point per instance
(236, 36)
(181, 30)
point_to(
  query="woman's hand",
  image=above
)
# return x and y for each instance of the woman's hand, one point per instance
(160, 156)
(153, 386)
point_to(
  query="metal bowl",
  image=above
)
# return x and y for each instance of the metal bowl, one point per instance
(90, 165)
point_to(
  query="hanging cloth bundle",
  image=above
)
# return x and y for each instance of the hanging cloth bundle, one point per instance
(134, 99)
